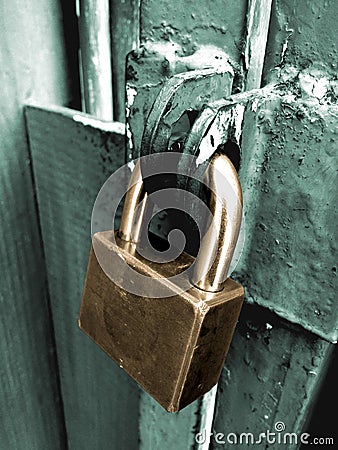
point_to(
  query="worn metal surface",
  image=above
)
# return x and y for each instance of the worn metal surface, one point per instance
(184, 92)
(218, 245)
(279, 135)
(188, 91)
(273, 144)
(178, 38)
(190, 26)
(73, 155)
(302, 39)
(174, 347)
(192, 329)
(289, 191)
(258, 21)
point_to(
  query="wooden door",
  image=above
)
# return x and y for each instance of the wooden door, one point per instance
(61, 391)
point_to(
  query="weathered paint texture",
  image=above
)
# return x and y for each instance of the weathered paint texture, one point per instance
(289, 186)
(189, 26)
(159, 429)
(272, 374)
(179, 37)
(71, 161)
(302, 37)
(33, 64)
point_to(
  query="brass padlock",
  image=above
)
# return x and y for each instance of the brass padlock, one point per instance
(174, 346)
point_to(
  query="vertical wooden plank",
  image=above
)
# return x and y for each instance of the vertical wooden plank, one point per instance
(95, 58)
(72, 158)
(160, 429)
(33, 64)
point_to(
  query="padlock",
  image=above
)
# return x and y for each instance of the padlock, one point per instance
(174, 346)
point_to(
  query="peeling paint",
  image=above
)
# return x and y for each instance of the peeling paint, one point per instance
(204, 57)
(131, 165)
(131, 94)
(290, 31)
(312, 85)
(130, 143)
(301, 36)
(237, 121)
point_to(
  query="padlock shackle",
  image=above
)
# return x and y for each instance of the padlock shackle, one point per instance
(219, 242)
(132, 216)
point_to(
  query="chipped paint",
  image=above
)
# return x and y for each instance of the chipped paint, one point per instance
(301, 37)
(131, 165)
(131, 94)
(290, 31)
(204, 57)
(113, 127)
(227, 122)
(237, 121)
(313, 84)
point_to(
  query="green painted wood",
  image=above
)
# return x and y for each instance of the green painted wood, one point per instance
(272, 374)
(33, 64)
(72, 157)
(160, 429)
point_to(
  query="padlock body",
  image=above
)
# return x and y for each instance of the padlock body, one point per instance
(174, 347)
